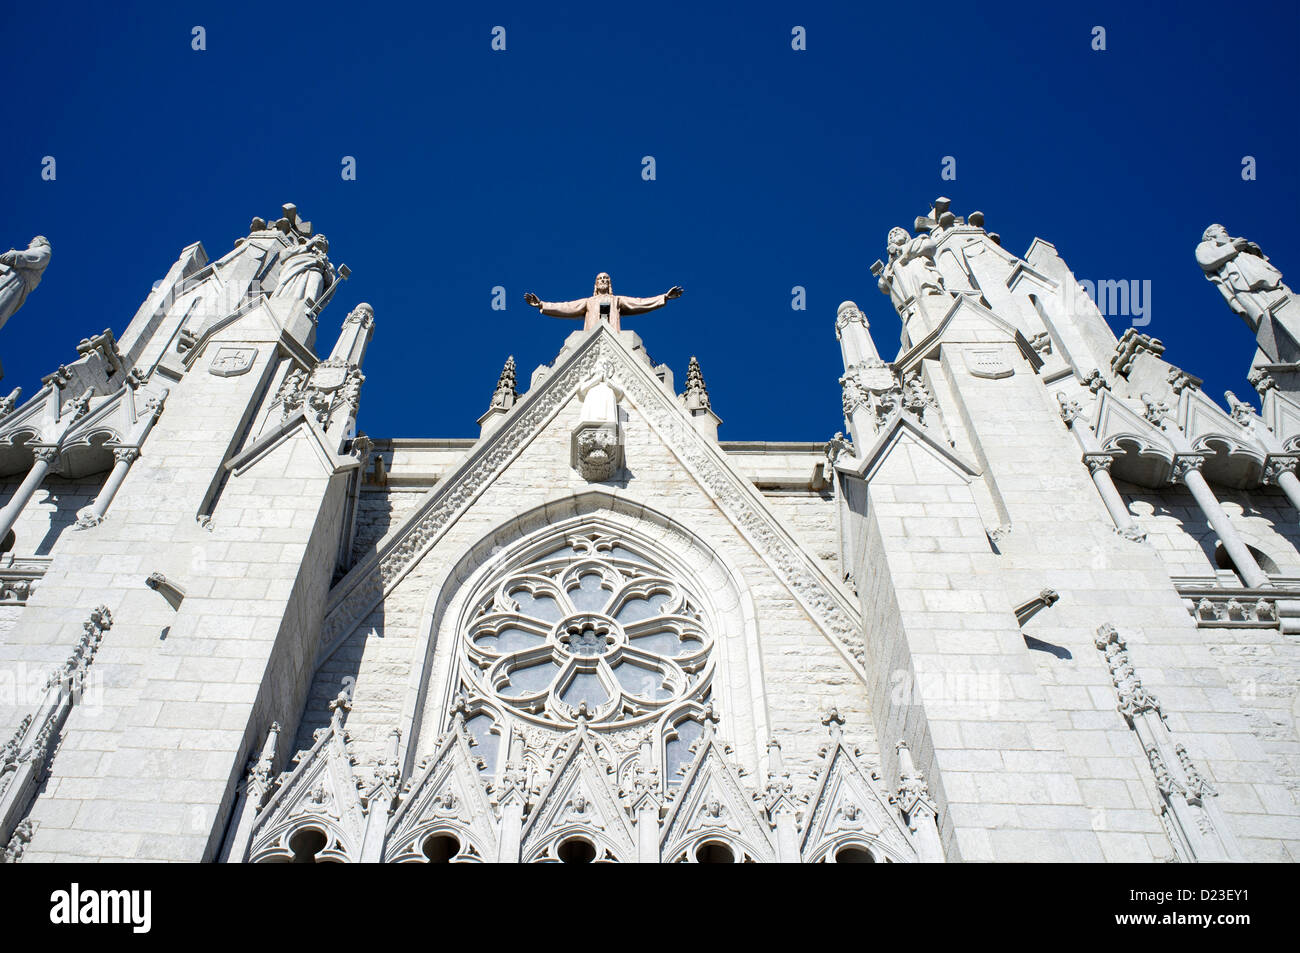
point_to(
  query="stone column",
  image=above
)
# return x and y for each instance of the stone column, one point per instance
(866, 376)
(1281, 471)
(354, 338)
(1187, 470)
(854, 335)
(45, 457)
(93, 515)
(1099, 467)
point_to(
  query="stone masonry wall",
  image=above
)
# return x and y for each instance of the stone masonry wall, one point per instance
(798, 672)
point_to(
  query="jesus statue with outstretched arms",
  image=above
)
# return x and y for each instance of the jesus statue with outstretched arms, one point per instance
(603, 307)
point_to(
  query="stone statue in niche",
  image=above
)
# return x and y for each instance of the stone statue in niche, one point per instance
(20, 272)
(597, 440)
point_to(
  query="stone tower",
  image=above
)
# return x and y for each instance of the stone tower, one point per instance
(1037, 608)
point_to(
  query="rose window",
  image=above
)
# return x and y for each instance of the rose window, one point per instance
(590, 626)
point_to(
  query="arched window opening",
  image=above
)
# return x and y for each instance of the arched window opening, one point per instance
(714, 852)
(486, 740)
(677, 748)
(854, 855)
(576, 850)
(1263, 560)
(440, 848)
(306, 844)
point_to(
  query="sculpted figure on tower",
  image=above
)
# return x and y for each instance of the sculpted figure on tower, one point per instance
(603, 307)
(20, 272)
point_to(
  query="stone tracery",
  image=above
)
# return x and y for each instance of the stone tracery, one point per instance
(590, 627)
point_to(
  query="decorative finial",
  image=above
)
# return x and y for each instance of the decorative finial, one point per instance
(362, 314)
(697, 394)
(505, 395)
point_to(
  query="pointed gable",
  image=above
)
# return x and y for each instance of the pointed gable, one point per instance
(319, 795)
(848, 809)
(968, 322)
(713, 805)
(445, 796)
(903, 432)
(579, 801)
(1236, 456)
(659, 410)
(1282, 415)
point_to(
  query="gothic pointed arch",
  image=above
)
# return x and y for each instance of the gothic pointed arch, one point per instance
(594, 605)
(444, 813)
(849, 817)
(714, 816)
(315, 814)
(578, 815)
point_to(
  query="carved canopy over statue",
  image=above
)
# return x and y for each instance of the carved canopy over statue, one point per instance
(1252, 287)
(603, 307)
(20, 272)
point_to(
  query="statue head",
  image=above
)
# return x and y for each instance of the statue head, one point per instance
(898, 236)
(1215, 233)
(602, 284)
(41, 240)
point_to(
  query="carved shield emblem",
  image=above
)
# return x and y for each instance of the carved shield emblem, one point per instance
(989, 364)
(232, 361)
(329, 376)
(877, 376)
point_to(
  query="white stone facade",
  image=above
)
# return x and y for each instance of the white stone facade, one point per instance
(1043, 606)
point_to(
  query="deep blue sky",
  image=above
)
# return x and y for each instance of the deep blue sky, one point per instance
(523, 169)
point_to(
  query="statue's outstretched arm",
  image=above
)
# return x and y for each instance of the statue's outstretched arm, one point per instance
(562, 309)
(628, 305)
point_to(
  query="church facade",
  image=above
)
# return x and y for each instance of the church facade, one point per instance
(1041, 603)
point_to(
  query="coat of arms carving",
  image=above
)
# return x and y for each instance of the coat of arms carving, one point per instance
(329, 376)
(989, 364)
(232, 361)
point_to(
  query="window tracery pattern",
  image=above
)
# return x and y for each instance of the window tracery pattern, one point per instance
(587, 626)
